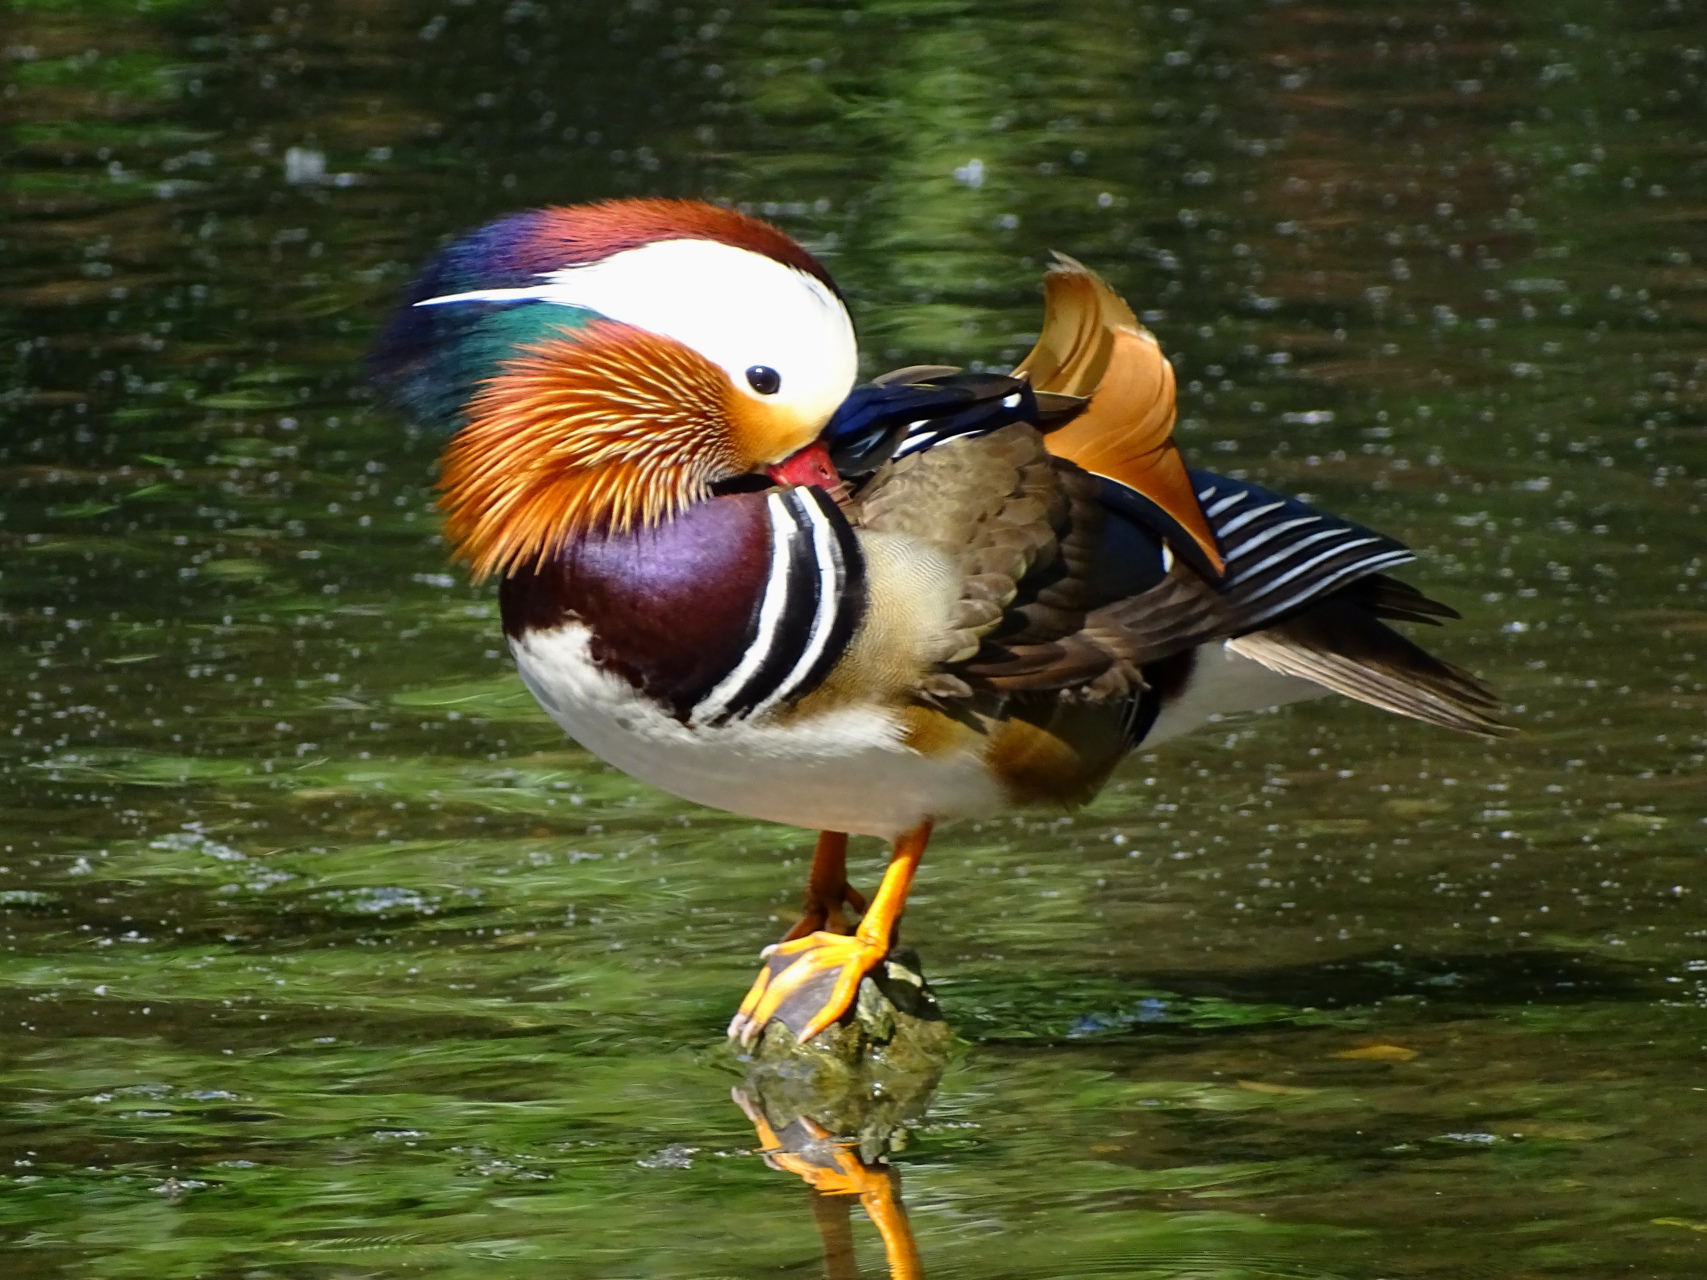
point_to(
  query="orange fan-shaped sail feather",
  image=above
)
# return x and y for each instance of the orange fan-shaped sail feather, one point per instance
(1092, 345)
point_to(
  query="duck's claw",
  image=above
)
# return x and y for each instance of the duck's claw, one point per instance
(806, 984)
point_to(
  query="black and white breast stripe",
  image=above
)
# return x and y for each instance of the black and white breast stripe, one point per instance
(1281, 554)
(813, 599)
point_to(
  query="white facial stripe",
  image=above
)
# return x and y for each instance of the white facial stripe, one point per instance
(735, 307)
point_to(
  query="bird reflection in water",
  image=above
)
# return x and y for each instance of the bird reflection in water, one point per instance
(829, 1111)
(834, 1169)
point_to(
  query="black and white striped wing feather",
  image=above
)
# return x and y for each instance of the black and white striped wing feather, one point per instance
(1280, 554)
(1308, 593)
(1303, 592)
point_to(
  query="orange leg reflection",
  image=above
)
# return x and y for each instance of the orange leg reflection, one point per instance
(835, 1229)
(834, 1171)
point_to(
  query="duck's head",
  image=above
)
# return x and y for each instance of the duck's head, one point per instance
(602, 366)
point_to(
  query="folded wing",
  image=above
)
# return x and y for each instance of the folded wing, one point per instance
(1088, 553)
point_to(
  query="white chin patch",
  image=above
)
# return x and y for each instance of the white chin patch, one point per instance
(737, 308)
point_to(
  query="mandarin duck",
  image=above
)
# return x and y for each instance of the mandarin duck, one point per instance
(733, 574)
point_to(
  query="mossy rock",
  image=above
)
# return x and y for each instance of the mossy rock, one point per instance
(870, 1074)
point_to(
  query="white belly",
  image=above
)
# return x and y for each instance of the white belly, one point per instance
(843, 771)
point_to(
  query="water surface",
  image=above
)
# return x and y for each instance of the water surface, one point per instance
(323, 955)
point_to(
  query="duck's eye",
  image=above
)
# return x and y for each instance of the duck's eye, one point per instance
(764, 379)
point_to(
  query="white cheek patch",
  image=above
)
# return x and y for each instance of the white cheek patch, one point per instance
(735, 307)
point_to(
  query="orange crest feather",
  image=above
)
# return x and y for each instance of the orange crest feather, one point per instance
(606, 429)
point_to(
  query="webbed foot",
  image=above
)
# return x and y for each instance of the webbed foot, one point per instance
(809, 982)
(806, 984)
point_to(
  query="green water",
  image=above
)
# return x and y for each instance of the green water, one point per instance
(322, 955)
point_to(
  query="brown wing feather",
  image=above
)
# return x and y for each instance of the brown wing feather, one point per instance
(991, 506)
(1023, 529)
(1340, 645)
(1091, 344)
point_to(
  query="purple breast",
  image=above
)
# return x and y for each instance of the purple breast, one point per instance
(671, 609)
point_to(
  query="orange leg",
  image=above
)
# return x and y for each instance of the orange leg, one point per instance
(827, 889)
(809, 982)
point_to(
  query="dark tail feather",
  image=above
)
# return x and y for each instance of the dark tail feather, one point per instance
(1340, 644)
(1389, 598)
